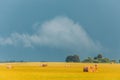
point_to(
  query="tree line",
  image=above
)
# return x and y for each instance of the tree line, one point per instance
(97, 59)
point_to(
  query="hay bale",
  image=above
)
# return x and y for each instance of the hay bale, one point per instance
(90, 68)
(96, 67)
(9, 66)
(44, 65)
(85, 69)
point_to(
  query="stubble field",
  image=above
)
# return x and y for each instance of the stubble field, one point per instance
(57, 71)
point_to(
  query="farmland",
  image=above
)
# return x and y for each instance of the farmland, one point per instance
(57, 71)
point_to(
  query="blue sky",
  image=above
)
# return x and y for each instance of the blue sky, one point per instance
(49, 30)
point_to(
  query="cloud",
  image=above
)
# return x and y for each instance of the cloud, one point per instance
(60, 32)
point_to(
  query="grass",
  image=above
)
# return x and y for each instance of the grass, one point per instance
(58, 71)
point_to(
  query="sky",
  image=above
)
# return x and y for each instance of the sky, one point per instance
(50, 30)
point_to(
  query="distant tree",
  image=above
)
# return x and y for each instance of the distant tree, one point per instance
(69, 58)
(21, 61)
(88, 60)
(76, 58)
(96, 61)
(105, 60)
(72, 58)
(99, 56)
(113, 61)
(95, 58)
(119, 61)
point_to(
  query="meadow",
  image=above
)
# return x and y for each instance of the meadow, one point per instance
(57, 71)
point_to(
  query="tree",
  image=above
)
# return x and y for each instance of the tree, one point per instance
(119, 61)
(99, 56)
(95, 58)
(88, 60)
(72, 58)
(105, 60)
(113, 61)
(76, 58)
(96, 61)
(69, 58)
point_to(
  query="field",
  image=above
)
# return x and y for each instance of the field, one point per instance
(57, 71)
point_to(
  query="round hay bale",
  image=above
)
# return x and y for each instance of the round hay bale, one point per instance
(85, 69)
(44, 65)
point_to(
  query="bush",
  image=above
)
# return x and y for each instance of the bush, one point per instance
(72, 58)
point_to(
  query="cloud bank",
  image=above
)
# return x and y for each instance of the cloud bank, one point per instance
(60, 32)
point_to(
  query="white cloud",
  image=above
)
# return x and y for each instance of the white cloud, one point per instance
(58, 32)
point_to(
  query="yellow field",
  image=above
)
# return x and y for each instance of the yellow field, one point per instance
(57, 71)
